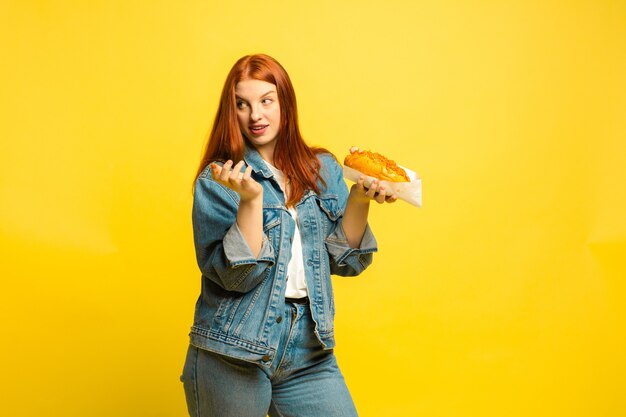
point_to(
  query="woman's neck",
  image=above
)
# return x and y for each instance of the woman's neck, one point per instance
(267, 153)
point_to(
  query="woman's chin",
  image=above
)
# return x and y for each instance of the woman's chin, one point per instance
(261, 141)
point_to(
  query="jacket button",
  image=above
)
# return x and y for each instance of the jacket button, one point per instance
(266, 358)
(279, 319)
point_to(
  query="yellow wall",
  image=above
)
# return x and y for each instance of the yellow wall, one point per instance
(503, 296)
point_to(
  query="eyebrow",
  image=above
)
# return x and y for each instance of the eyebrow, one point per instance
(266, 94)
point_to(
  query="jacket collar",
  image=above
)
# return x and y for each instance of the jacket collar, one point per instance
(252, 157)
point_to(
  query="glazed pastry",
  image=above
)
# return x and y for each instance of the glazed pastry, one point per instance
(377, 166)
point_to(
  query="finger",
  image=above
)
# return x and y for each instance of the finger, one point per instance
(371, 191)
(235, 174)
(215, 169)
(247, 174)
(392, 198)
(361, 181)
(226, 170)
(382, 194)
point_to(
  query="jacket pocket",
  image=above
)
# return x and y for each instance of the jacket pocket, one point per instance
(271, 221)
(271, 218)
(330, 206)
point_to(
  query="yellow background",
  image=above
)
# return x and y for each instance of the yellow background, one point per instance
(503, 296)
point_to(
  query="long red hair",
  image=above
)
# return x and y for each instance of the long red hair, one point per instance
(292, 156)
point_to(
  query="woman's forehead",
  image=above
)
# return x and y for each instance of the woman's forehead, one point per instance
(254, 88)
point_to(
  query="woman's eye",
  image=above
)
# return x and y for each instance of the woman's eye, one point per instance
(241, 105)
(266, 101)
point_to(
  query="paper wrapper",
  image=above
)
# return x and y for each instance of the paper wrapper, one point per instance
(411, 192)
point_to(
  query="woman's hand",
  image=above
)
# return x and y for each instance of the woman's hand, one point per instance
(250, 211)
(375, 192)
(241, 183)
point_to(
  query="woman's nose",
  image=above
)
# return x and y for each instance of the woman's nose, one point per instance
(255, 114)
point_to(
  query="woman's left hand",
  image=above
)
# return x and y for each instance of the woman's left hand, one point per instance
(375, 191)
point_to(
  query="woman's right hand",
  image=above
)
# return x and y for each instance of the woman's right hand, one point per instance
(241, 183)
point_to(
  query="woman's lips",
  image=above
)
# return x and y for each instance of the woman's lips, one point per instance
(258, 130)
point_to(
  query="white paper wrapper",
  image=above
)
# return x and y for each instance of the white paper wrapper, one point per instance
(411, 192)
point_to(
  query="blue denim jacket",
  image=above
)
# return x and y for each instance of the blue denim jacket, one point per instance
(242, 296)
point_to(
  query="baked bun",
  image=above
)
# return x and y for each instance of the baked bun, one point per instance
(377, 166)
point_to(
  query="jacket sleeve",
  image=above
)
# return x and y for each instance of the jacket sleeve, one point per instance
(344, 260)
(222, 252)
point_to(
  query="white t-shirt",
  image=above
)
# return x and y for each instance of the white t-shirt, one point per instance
(296, 281)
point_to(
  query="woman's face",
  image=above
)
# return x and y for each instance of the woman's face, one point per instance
(258, 113)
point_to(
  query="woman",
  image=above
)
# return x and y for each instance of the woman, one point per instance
(271, 224)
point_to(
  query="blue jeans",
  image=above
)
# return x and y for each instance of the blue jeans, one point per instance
(303, 381)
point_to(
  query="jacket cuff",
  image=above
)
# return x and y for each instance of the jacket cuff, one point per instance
(239, 253)
(340, 250)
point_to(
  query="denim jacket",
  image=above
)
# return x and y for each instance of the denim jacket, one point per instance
(242, 296)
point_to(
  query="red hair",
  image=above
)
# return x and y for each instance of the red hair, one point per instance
(292, 156)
